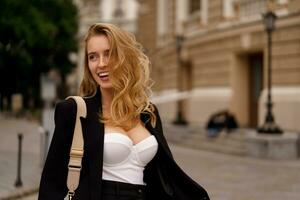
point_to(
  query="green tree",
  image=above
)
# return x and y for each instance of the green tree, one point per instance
(35, 36)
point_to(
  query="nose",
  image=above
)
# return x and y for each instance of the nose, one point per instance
(102, 61)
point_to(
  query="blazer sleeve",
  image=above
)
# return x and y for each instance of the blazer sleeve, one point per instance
(184, 186)
(173, 179)
(54, 175)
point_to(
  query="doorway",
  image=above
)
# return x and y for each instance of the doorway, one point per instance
(255, 63)
(184, 85)
(247, 84)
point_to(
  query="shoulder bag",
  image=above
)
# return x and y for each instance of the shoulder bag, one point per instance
(76, 151)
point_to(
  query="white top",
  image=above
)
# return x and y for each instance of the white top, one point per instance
(124, 161)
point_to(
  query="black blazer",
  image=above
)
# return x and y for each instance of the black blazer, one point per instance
(164, 179)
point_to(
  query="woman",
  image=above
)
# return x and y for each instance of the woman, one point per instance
(126, 156)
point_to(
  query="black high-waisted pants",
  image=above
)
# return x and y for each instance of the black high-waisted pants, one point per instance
(112, 190)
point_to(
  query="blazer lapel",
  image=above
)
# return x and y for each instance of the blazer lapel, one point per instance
(157, 132)
(160, 165)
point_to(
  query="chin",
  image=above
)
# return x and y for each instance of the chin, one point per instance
(106, 86)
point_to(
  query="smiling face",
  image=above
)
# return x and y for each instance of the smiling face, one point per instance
(98, 49)
(110, 50)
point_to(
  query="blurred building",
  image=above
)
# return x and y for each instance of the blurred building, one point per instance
(211, 55)
(120, 12)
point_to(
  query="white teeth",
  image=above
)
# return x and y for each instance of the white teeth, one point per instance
(103, 74)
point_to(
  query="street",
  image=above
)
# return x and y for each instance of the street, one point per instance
(30, 160)
(225, 177)
(228, 177)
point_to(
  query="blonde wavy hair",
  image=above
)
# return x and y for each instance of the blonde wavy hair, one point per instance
(129, 74)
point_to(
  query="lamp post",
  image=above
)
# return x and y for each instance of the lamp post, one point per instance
(269, 126)
(180, 119)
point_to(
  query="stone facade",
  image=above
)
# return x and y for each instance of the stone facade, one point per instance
(223, 59)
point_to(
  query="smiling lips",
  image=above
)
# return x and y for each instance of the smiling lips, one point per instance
(103, 76)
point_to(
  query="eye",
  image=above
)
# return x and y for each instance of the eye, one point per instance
(92, 57)
(106, 53)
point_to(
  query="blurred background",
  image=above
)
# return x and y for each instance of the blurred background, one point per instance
(227, 85)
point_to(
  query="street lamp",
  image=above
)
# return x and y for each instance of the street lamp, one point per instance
(180, 120)
(269, 126)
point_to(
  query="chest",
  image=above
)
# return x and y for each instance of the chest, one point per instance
(136, 134)
(135, 146)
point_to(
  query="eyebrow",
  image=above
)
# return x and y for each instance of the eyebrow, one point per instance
(91, 53)
(94, 52)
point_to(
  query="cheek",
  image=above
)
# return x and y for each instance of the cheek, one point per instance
(92, 70)
(92, 67)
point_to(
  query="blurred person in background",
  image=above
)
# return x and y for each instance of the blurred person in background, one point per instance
(126, 155)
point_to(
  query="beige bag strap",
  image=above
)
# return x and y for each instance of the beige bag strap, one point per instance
(76, 152)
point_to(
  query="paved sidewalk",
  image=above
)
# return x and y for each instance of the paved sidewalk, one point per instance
(31, 162)
(230, 177)
(30, 197)
(226, 177)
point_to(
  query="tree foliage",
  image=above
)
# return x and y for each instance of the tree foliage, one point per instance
(35, 36)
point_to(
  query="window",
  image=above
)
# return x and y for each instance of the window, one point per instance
(228, 8)
(162, 17)
(194, 6)
(163, 27)
(282, 1)
(252, 8)
(191, 15)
